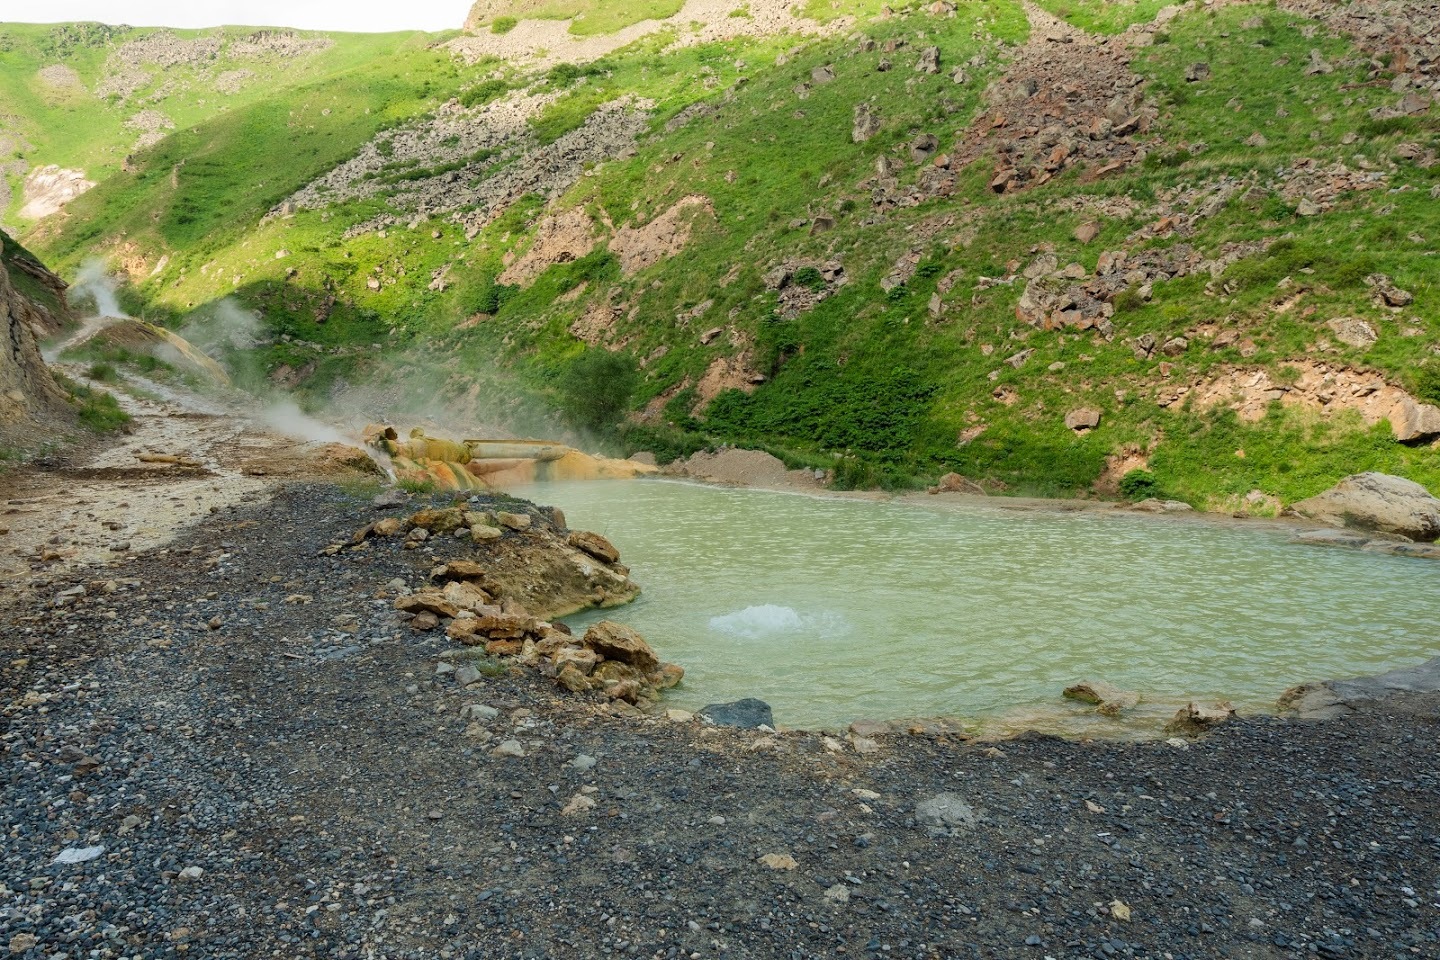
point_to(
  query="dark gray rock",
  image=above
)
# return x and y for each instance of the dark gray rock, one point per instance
(1335, 698)
(747, 713)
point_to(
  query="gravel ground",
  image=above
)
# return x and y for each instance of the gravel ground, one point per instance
(271, 776)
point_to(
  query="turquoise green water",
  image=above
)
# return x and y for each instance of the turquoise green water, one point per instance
(834, 610)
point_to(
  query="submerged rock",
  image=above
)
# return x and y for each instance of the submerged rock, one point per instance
(1109, 699)
(1378, 502)
(747, 713)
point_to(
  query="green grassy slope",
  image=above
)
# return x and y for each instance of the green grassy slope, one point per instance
(83, 116)
(868, 380)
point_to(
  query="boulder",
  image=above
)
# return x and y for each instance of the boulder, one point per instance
(615, 641)
(1083, 419)
(748, 713)
(1353, 331)
(1193, 719)
(438, 521)
(514, 521)
(1379, 502)
(595, 545)
(1109, 699)
(1413, 422)
(1197, 72)
(427, 601)
(866, 124)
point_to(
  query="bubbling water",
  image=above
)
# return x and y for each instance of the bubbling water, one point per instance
(834, 610)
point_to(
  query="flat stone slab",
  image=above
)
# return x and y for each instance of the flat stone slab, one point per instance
(1334, 698)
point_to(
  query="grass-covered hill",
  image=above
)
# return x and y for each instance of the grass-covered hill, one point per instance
(1041, 245)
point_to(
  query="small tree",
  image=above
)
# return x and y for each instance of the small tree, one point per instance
(596, 389)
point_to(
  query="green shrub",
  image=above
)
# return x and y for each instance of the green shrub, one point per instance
(104, 372)
(809, 278)
(596, 389)
(96, 409)
(503, 25)
(1139, 485)
(482, 93)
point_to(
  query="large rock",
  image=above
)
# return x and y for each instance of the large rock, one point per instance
(1414, 422)
(615, 641)
(1334, 698)
(1377, 501)
(595, 545)
(866, 125)
(748, 713)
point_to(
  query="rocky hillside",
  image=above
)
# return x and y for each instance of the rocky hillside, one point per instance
(32, 304)
(1045, 246)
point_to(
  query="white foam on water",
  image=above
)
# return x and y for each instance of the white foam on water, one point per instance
(772, 620)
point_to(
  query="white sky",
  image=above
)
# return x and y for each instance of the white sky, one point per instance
(356, 15)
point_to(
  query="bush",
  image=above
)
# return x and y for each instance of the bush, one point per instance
(96, 409)
(104, 372)
(1139, 485)
(482, 93)
(503, 25)
(809, 278)
(596, 389)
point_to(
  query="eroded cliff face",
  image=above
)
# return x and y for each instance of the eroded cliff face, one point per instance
(32, 300)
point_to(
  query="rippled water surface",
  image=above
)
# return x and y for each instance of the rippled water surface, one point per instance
(833, 609)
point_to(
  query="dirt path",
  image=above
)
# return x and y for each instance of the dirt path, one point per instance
(100, 506)
(277, 777)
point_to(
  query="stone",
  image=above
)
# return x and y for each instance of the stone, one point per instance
(615, 641)
(466, 674)
(946, 813)
(1087, 232)
(1353, 331)
(438, 521)
(509, 748)
(483, 532)
(78, 854)
(1308, 208)
(1411, 421)
(778, 861)
(837, 894)
(1083, 419)
(1333, 698)
(1377, 502)
(424, 621)
(866, 123)
(1193, 719)
(480, 711)
(1197, 72)
(22, 943)
(513, 521)
(1162, 506)
(929, 61)
(427, 601)
(390, 498)
(1317, 65)
(748, 713)
(822, 75)
(923, 147)
(583, 762)
(1109, 699)
(580, 803)
(192, 873)
(388, 527)
(679, 716)
(595, 545)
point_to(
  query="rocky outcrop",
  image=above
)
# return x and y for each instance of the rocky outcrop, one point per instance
(529, 567)
(1377, 502)
(1336, 698)
(28, 393)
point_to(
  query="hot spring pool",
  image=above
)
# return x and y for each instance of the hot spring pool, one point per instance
(834, 609)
